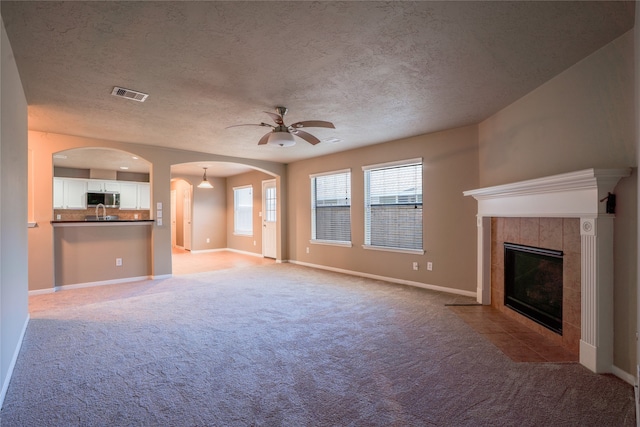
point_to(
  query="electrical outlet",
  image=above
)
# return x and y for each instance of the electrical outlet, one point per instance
(118, 262)
(135, 216)
(208, 240)
(430, 266)
(58, 216)
(415, 265)
(307, 249)
(254, 243)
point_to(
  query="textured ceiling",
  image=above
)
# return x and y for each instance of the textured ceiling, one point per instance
(378, 70)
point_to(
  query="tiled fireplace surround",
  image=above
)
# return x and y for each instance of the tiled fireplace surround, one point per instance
(561, 234)
(562, 212)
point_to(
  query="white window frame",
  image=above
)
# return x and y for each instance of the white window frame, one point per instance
(314, 240)
(367, 213)
(237, 212)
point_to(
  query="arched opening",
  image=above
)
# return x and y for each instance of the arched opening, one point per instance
(86, 177)
(214, 214)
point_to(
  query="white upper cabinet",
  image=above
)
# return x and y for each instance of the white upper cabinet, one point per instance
(144, 196)
(58, 193)
(101, 186)
(69, 193)
(135, 195)
(128, 195)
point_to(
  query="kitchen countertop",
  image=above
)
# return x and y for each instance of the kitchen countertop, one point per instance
(116, 222)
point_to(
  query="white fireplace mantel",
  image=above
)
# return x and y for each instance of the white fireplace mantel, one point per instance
(570, 195)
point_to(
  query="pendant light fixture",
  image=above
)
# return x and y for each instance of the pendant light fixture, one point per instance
(205, 183)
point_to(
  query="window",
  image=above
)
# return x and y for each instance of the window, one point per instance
(269, 203)
(331, 207)
(393, 206)
(243, 210)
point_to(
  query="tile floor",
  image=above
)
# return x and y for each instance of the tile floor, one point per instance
(518, 342)
(186, 262)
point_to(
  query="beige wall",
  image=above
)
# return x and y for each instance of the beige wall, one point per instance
(580, 119)
(13, 212)
(583, 118)
(44, 145)
(449, 228)
(246, 243)
(88, 254)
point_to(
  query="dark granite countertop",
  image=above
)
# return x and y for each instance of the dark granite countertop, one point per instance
(61, 223)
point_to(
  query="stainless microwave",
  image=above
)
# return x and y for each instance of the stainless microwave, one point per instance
(109, 199)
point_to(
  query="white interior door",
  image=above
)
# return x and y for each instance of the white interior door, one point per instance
(269, 219)
(173, 218)
(186, 218)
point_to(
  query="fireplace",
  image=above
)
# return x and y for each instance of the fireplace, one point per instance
(533, 284)
(572, 196)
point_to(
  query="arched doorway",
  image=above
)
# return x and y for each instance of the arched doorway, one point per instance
(214, 215)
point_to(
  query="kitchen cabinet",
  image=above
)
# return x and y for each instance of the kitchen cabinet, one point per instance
(135, 195)
(69, 193)
(102, 185)
(58, 193)
(144, 196)
(128, 195)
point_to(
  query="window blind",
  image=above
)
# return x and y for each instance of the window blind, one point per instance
(331, 207)
(393, 205)
(243, 210)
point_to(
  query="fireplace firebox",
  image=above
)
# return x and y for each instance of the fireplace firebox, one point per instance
(533, 284)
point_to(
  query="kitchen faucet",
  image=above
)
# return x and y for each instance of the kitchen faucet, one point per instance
(104, 211)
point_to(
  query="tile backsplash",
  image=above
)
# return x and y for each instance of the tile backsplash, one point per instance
(80, 214)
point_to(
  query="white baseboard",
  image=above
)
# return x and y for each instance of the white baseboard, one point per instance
(623, 375)
(244, 252)
(204, 251)
(471, 294)
(14, 359)
(42, 291)
(92, 284)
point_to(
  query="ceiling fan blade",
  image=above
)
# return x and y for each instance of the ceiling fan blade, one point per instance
(250, 124)
(313, 124)
(306, 136)
(276, 118)
(264, 139)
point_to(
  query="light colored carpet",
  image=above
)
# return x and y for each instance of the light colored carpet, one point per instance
(284, 345)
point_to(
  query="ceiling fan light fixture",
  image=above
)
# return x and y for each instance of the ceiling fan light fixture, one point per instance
(281, 139)
(205, 183)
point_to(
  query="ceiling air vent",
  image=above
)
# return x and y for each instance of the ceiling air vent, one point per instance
(129, 94)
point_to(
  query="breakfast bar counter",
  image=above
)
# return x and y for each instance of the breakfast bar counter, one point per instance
(101, 252)
(101, 223)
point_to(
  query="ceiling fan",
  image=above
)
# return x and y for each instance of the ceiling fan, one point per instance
(282, 135)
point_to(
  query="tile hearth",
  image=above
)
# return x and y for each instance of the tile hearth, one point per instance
(515, 340)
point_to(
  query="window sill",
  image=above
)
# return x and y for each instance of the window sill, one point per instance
(243, 234)
(331, 243)
(398, 250)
